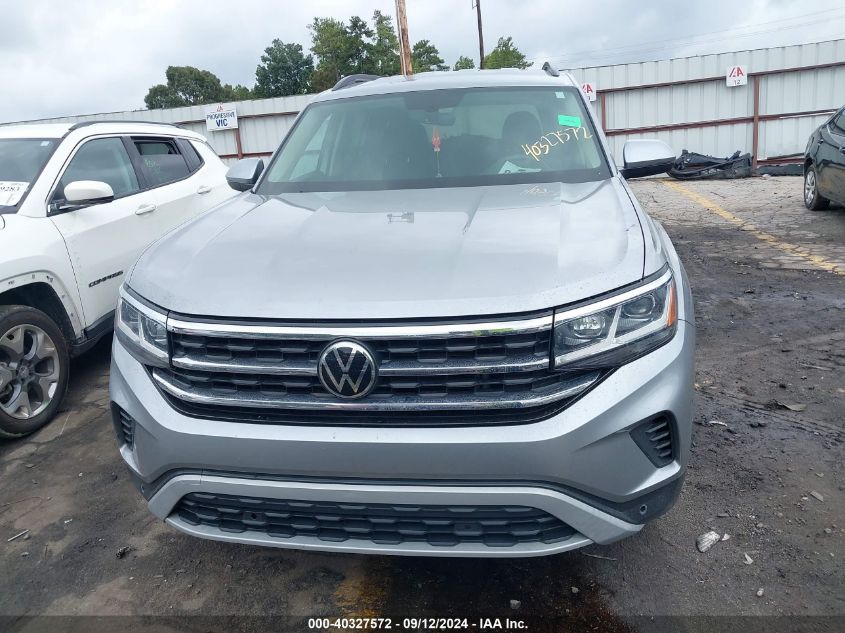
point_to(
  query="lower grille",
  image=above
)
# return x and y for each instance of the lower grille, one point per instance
(382, 524)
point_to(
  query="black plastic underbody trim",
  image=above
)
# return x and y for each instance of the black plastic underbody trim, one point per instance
(101, 326)
(638, 510)
(93, 335)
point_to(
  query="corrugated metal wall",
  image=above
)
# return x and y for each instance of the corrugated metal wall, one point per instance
(629, 103)
(784, 93)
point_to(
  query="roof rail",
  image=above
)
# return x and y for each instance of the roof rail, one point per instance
(551, 70)
(80, 124)
(353, 80)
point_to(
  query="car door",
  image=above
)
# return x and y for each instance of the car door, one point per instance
(209, 174)
(182, 184)
(104, 239)
(830, 161)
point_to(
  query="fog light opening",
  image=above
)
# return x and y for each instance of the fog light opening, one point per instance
(656, 437)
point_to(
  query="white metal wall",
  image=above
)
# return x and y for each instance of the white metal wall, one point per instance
(264, 122)
(798, 91)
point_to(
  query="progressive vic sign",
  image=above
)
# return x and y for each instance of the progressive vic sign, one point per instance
(220, 117)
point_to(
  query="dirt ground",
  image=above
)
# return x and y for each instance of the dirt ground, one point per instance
(768, 278)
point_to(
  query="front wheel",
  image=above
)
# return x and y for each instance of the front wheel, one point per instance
(34, 367)
(813, 200)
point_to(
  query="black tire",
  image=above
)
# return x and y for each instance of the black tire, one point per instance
(10, 317)
(813, 200)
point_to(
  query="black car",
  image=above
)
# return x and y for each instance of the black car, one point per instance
(824, 164)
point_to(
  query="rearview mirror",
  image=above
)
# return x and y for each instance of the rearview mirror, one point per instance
(646, 157)
(81, 192)
(243, 175)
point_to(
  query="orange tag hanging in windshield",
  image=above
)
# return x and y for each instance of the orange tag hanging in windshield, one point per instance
(435, 140)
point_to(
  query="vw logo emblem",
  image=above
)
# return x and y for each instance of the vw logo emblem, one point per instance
(347, 369)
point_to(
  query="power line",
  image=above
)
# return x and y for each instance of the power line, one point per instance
(707, 34)
(691, 39)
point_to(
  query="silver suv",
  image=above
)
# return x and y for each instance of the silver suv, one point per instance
(438, 323)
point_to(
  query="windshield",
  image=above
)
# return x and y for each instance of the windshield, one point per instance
(439, 138)
(21, 160)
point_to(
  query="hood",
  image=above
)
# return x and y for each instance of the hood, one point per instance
(398, 254)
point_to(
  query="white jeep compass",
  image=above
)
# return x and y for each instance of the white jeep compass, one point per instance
(78, 205)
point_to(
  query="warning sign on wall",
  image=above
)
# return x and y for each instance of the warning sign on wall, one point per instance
(589, 91)
(736, 76)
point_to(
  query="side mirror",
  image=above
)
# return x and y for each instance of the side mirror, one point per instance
(243, 175)
(82, 192)
(646, 157)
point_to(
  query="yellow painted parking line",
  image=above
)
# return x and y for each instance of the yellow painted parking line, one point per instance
(761, 235)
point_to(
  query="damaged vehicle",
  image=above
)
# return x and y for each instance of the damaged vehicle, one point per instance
(437, 323)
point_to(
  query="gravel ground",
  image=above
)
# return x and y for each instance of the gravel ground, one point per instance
(769, 283)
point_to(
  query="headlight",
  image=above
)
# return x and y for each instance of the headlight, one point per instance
(142, 330)
(616, 330)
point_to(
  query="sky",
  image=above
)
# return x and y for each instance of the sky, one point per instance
(64, 57)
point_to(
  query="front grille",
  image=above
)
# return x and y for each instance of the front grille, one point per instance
(382, 524)
(428, 374)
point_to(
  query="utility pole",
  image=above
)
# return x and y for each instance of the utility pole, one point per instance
(480, 35)
(404, 46)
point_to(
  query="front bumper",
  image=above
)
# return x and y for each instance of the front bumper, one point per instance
(581, 466)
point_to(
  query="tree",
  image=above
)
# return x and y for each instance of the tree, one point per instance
(161, 96)
(505, 55)
(463, 63)
(238, 93)
(385, 47)
(343, 49)
(284, 70)
(186, 85)
(358, 37)
(425, 57)
(332, 45)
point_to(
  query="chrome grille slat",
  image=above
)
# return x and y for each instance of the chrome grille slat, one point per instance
(191, 362)
(390, 368)
(375, 402)
(329, 332)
